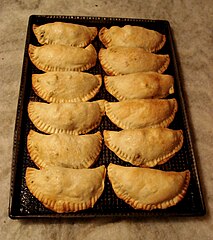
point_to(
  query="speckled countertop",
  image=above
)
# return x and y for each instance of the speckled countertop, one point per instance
(192, 24)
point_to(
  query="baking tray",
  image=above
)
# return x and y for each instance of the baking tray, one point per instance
(23, 204)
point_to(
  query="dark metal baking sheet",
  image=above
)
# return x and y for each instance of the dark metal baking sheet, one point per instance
(23, 205)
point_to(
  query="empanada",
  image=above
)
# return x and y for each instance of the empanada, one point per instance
(122, 60)
(144, 147)
(65, 189)
(65, 33)
(147, 189)
(72, 118)
(64, 150)
(66, 86)
(132, 36)
(133, 114)
(53, 58)
(139, 85)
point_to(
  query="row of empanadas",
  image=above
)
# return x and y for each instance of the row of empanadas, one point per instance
(114, 60)
(59, 87)
(70, 190)
(80, 35)
(64, 189)
(73, 86)
(145, 147)
(82, 117)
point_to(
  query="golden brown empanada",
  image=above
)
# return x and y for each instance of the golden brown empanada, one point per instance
(65, 189)
(72, 118)
(62, 87)
(134, 114)
(64, 150)
(132, 36)
(147, 189)
(139, 85)
(144, 147)
(53, 58)
(65, 33)
(122, 60)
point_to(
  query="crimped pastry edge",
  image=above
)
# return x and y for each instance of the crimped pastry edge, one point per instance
(45, 95)
(35, 61)
(66, 206)
(122, 194)
(40, 163)
(46, 128)
(120, 124)
(150, 163)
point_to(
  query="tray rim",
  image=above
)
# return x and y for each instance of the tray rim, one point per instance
(186, 115)
(19, 115)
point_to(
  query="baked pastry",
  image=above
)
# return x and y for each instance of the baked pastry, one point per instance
(53, 58)
(64, 33)
(134, 114)
(65, 189)
(62, 87)
(139, 85)
(122, 60)
(144, 147)
(64, 150)
(71, 118)
(132, 36)
(146, 188)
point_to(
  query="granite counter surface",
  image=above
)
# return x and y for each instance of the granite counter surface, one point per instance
(192, 24)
